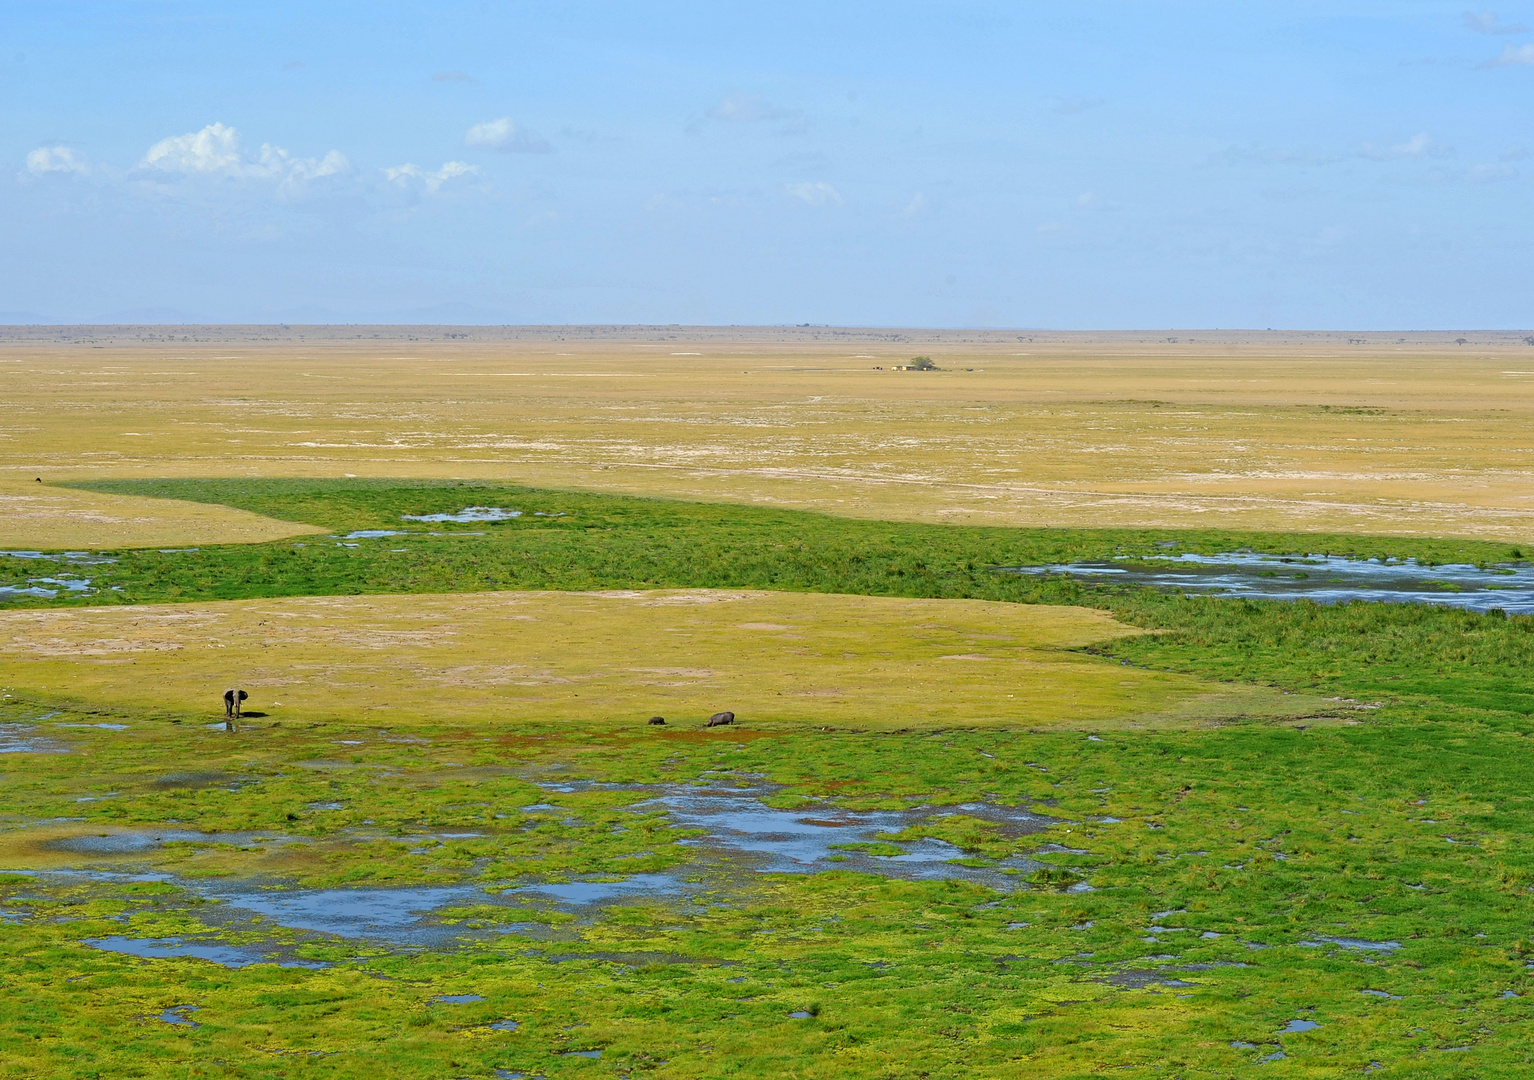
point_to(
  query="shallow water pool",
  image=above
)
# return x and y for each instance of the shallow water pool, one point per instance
(467, 514)
(813, 837)
(1326, 579)
(175, 948)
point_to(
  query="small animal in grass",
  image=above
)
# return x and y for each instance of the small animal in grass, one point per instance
(719, 719)
(657, 720)
(232, 699)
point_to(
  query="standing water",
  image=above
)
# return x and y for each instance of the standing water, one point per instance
(1326, 579)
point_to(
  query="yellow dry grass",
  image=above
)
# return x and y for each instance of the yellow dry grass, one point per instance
(36, 516)
(1417, 435)
(613, 658)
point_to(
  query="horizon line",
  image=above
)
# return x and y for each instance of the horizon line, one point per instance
(863, 327)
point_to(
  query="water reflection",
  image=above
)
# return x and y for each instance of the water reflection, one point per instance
(817, 837)
(1326, 579)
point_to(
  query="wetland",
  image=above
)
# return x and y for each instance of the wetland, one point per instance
(1052, 781)
(499, 874)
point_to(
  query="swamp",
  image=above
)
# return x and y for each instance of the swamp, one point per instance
(1122, 794)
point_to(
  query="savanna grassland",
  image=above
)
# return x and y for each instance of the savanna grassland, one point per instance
(1374, 433)
(1267, 838)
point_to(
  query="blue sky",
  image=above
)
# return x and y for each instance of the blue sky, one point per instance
(1064, 165)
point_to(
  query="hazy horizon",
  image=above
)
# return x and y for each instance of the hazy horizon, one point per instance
(1354, 166)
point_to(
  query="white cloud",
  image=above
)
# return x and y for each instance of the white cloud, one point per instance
(54, 159)
(275, 161)
(454, 76)
(814, 193)
(408, 176)
(215, 151)
(505, 137)
(1420, 145)
(1088, 200)
(216, 148)
(918, 205)
(1511, 57)
(1489, 22)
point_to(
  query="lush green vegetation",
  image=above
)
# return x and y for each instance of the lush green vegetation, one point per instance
(570, 540)
(604, 542)
(1243, 844)
(1233, 846)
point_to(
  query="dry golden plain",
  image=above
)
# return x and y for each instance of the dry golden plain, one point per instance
(1375, 433)
(38, 516)
(605, 658)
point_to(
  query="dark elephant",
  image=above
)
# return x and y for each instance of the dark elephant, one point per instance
(232, 699)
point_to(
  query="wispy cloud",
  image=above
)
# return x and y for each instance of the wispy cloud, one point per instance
(1271, 155)
(749, 109)
(1420, 145)
(505, 137)
(415, 177)
(1489, 22)
(454, 77)
(917, 206)
(1077, 105)
(55, 159)
(293, 65)
(742, 108)
(814, 193)
(1491, 172)
(1511, 57)
(216, 151)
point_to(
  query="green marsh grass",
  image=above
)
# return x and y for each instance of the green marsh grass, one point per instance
(1221, 859)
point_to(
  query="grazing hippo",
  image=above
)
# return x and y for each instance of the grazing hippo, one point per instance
(232, 699)
(719, 719)
(657, 719)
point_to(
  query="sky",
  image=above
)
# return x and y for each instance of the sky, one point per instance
(1075, 165)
